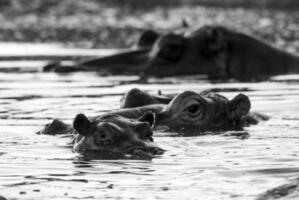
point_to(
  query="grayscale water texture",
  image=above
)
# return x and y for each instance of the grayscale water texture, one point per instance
(208, 166)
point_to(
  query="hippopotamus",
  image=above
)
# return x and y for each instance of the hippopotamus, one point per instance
(130, 61)
(191, 111)
(219, 52)
(109, 134)
(124, 62)
(2, 198)
(288, 191)
(213, 50)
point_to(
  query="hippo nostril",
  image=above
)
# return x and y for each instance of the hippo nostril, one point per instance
(144, 152)
(157, 151)
(140, 153)
(131, 150)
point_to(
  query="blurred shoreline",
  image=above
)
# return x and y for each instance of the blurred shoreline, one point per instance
(261, 4)
(117, 24)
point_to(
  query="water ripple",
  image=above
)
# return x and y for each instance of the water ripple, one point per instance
(206, 166)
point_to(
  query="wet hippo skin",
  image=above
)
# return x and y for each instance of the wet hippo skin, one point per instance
(216, 51)
(109, 134)
(288, 191)
(127, 62)
(219, 52)
(196, 111)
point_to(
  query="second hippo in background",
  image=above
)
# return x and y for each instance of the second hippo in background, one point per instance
(216, 51)
(220, 53)
(125, 62)
(128, 61)
(196, 111)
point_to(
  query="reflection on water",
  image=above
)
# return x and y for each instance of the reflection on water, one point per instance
(231, 165)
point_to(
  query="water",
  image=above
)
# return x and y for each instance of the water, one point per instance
(210, 167)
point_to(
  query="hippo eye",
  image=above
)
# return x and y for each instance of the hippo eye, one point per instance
(102, 138)
(103, 135)
(193, 108)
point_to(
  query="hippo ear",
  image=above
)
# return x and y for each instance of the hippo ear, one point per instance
(239, 106)
(147, 39)
(148, 117)
(82, 124)
(213, 43)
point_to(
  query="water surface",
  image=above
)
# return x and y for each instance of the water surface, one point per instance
(210, 167)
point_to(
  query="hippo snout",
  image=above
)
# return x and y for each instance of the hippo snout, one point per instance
(145, 153)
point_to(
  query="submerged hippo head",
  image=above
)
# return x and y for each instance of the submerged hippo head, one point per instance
(115, 134)
(199, 52)
(219, 52)
(56, 127)
(204, 112)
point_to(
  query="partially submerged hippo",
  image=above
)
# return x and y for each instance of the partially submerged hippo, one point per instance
(109, 134)
(219, 52)
(193, 111)
(130, 61)
(2, 198)
(216, 51)
(288, 191)
(125, 62)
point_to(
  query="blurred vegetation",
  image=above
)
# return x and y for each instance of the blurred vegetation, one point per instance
(117, 23)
